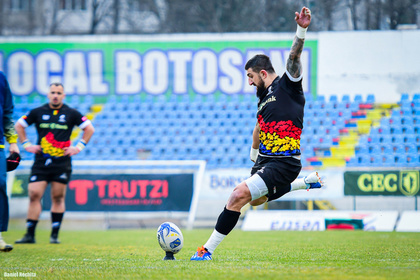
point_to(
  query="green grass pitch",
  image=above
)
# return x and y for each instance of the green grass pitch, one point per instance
(136, 254)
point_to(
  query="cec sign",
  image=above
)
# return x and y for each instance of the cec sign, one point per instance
(400, 183)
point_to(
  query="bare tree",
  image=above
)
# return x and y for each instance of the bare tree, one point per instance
(323, 12)
(1, 16)
(116, 16)
(352, 5)
(401, 12)
(100, 9)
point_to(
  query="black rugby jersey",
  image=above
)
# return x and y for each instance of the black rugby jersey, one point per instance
(54, 127)
(280, 116)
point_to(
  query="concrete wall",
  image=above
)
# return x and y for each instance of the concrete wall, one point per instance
(386, 63)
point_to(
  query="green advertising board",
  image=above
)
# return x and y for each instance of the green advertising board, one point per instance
(392, 183)
(102, 66)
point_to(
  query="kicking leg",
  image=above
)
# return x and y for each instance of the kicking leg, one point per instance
(250, 190)
(227, 220)
(312, 181)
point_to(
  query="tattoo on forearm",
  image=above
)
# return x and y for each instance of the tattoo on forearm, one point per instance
(294, 66)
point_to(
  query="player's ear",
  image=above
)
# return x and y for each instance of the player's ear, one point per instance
(264, 74)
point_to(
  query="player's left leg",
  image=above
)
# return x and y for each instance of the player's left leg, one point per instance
(58, 207)
(4, 206)
(251, 189)
(4, 210)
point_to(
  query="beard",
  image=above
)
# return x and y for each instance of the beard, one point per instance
(260, 89)
(55, 105)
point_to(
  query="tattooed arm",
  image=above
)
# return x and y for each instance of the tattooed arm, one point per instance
(293, 65)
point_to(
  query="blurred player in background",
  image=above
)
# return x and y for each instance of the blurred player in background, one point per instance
(54, 124)
(7, 130)
(276, 138)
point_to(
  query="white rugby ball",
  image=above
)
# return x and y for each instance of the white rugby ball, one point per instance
(170, 237)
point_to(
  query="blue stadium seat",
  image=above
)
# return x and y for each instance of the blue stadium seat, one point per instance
(387, 149)
(396, 129)
(389, 160)
(401, 160)
(333, 98)
(345, 98)
(370, 98)
(358, 98)
(353, 162)
(398, 139)
(399, 149)
(365, 160)
(410, 138)
(361, 150)
(411, 149)
(375, 149)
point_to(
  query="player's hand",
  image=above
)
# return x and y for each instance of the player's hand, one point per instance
(71, 151)
(304, 18)
(34, 149)
(13, 148)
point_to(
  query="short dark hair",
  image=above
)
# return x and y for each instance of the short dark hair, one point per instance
(260, 62)
(57, 84)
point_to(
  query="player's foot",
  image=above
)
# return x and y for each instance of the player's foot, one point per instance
(313, 181)
(26, 239)
(54, 239)
(4, 247)
(201, 255)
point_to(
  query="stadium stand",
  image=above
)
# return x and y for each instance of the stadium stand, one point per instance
(347, 132)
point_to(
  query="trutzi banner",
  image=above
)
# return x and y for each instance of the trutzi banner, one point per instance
(127, 192)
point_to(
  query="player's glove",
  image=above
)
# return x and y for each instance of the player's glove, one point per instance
(253, 154)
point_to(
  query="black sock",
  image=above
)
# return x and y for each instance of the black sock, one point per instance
(227, 221)
(30, 227)
(56, 219)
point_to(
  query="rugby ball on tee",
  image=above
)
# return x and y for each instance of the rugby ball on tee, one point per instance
(170, 237)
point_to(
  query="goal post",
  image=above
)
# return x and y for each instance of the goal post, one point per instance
(134, 177)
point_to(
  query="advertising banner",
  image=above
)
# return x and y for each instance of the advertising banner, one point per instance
(283, 220)
(203, 64)
(124, 192)
(264, 220)
(409, 221)
(392, 183)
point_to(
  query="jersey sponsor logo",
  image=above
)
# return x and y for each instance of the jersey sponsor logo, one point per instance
(45, 117)
(279, 138)
(62, 118)
(53, 147)
(53, 126)
(271, 99)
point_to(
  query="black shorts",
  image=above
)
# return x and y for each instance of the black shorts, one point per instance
(277, 174)
(51, 170)
(63, 177)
